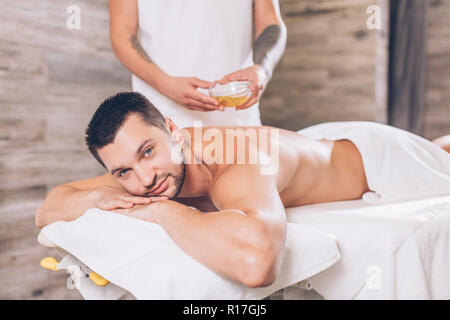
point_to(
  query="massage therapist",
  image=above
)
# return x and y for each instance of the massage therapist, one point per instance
(177, 49)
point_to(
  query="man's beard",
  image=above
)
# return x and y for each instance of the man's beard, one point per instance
(179, 179)
(178, 183)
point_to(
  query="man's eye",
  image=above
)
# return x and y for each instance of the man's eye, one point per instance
(148, 151)
(123, 172)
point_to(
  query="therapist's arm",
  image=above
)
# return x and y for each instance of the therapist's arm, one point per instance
(243, 241)
(270, 35)
(268, 47)
(125, 43)
(123, 31)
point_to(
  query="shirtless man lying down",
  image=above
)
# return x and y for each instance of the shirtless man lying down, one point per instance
(157, 172)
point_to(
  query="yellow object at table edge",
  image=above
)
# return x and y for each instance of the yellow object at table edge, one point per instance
(98, 279)
(49, 263)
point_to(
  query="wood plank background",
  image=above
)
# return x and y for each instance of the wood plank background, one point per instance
(327, 71)
(52, 79)
(437, 115)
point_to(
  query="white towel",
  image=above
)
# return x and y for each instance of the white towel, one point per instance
(398, 164)
(141, 258)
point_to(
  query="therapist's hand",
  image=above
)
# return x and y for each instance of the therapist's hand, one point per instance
(256, 75)
(183, 90)
(109, 198)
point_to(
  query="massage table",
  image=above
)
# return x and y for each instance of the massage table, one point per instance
(388, 250)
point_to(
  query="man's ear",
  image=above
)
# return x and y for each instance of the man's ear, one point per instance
(174, 131)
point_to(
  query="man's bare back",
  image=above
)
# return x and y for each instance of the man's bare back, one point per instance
(310, 171)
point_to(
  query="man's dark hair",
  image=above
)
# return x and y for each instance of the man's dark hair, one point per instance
(111, 115)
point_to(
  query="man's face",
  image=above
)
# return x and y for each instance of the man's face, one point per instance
(140, 159)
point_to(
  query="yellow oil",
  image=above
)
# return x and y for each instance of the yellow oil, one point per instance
(231, 102)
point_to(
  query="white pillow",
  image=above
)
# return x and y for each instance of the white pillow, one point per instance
(141, 258)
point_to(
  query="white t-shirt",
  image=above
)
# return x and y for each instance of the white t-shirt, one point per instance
(197, 38)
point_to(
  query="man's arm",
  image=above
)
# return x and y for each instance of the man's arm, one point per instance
(69, 201)
(203, 204)
(243, 241)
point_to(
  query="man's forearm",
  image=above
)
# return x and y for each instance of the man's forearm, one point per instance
(229, 242)
(269, 47)
(64, 203)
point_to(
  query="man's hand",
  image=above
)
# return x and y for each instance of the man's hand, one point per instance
(138, 211)
(256, 75)
(69, 201)
(149, 212)
(183, 90)
(109, 198)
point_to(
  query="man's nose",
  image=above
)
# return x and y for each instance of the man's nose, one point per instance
(146, 177)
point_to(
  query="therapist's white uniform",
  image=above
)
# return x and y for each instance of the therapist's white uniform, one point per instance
(197, 38)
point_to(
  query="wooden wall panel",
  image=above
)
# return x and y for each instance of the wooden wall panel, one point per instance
(328, 70)
(51, 81)
(437, 116)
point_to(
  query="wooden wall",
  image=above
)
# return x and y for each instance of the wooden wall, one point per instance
(52, 79)
(327, 71)
(437, 116)
(334, 67)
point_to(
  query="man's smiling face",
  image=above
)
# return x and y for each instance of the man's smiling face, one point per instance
(140, 159)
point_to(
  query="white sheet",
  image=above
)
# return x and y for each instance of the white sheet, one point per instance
(141, 258)
(388, 251)
(404, 245)
(398, 164)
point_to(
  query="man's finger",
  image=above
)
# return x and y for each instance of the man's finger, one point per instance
(137, 200)
(156, 199)
(122, 204)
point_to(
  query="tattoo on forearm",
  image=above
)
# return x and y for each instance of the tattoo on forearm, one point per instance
(137, 46)
(269, 47)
